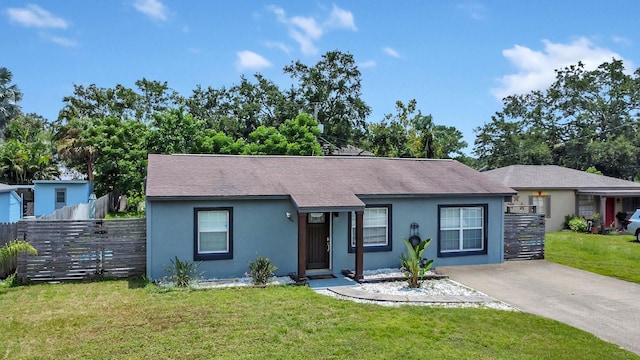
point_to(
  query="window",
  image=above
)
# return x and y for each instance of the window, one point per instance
(376, 229)
(462, 230)
(586, 206)
(542, 204)
(61, 198)
(213, 239)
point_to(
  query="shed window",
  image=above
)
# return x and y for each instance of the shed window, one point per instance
(61, 198)
(376, 228)
(462, 230)
(213, 233)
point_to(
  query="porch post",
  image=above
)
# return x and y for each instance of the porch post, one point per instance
(359, 244)
(302, 247)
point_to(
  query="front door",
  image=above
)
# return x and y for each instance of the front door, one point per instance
(318, 241)
(610, 214)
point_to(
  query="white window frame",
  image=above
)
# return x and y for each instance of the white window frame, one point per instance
(461, 227)
(226, 229)
(386, 209)
(542, 204)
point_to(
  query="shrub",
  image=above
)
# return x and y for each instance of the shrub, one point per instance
(9, 254)
(414, 265)
(182, 273)
(578, 224)
(261, 270)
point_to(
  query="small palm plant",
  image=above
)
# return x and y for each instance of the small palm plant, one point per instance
(9, 254)
(414, 265)
(182, 273)
(261, 270)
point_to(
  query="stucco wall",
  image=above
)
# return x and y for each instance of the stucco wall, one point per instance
(10, 207)
(563, 202)
(262, 227)
(45, 194)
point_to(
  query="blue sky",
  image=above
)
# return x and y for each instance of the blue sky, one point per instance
(456, 58)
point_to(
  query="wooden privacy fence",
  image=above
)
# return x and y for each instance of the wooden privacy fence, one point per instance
(81, 211)
(523, 236)
(79, 250)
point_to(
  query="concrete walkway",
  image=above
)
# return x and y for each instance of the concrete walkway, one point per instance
(604, 306)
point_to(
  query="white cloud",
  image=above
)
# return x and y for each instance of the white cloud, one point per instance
(277, 45)
(340, 19)
(248, 60)
(34, 15)
(391, 52)
(306, 30)
(535, 69)
(367, 64)
(474, 10)
(152, 8)
(621, 40)
(62, 41)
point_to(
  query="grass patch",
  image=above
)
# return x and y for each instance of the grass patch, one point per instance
(119, 319)
(610, 255)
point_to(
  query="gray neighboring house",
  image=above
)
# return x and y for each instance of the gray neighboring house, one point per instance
(317, 215)
(557, 191)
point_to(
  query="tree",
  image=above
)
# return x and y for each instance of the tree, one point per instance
(10, 96)
(26, 153)
(93, 102)
(408, 133)
(174, 131)
(584, 118)
(120, 155)
(295, 137)
(331, 90)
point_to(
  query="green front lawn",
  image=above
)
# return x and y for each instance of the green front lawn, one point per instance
(611, 255)
(125, 320)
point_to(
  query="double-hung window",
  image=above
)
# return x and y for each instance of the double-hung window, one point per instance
(61, 198)
(213, 239)
(376, 229)
(462, 230)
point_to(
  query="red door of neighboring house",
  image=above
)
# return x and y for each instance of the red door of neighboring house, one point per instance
(610, 211)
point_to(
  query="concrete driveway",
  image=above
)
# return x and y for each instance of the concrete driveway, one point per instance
(604, 306)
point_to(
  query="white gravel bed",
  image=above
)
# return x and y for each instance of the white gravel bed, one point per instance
(443, 287)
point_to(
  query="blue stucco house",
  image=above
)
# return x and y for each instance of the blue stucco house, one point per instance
(50, 195)
(10, 204)
(317, 215)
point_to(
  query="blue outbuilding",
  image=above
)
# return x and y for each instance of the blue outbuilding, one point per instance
(50, 195)
(10, 204)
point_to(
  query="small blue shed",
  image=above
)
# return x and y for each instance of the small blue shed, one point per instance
(318, 215)
(10, 204)
(50, 195)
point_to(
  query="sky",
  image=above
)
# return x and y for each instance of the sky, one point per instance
(458, 59)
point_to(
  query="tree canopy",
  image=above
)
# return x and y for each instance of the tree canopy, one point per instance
(585, 118)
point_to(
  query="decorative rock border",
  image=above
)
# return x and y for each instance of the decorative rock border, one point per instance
(352, 292)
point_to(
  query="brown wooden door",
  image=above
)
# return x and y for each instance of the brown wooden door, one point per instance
(318, 241)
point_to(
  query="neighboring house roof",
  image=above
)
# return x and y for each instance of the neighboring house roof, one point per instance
(351, 150)
(314, 183)
(558, 177)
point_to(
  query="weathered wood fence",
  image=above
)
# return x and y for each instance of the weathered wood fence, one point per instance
(8, 232)
(79, 250)
(81, 211)
(523, 236)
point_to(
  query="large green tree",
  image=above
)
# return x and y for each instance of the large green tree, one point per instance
(332, 91)
(10, 96)
(585, 118)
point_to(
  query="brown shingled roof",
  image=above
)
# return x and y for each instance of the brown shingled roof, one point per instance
(556, 177)
(312, 182)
